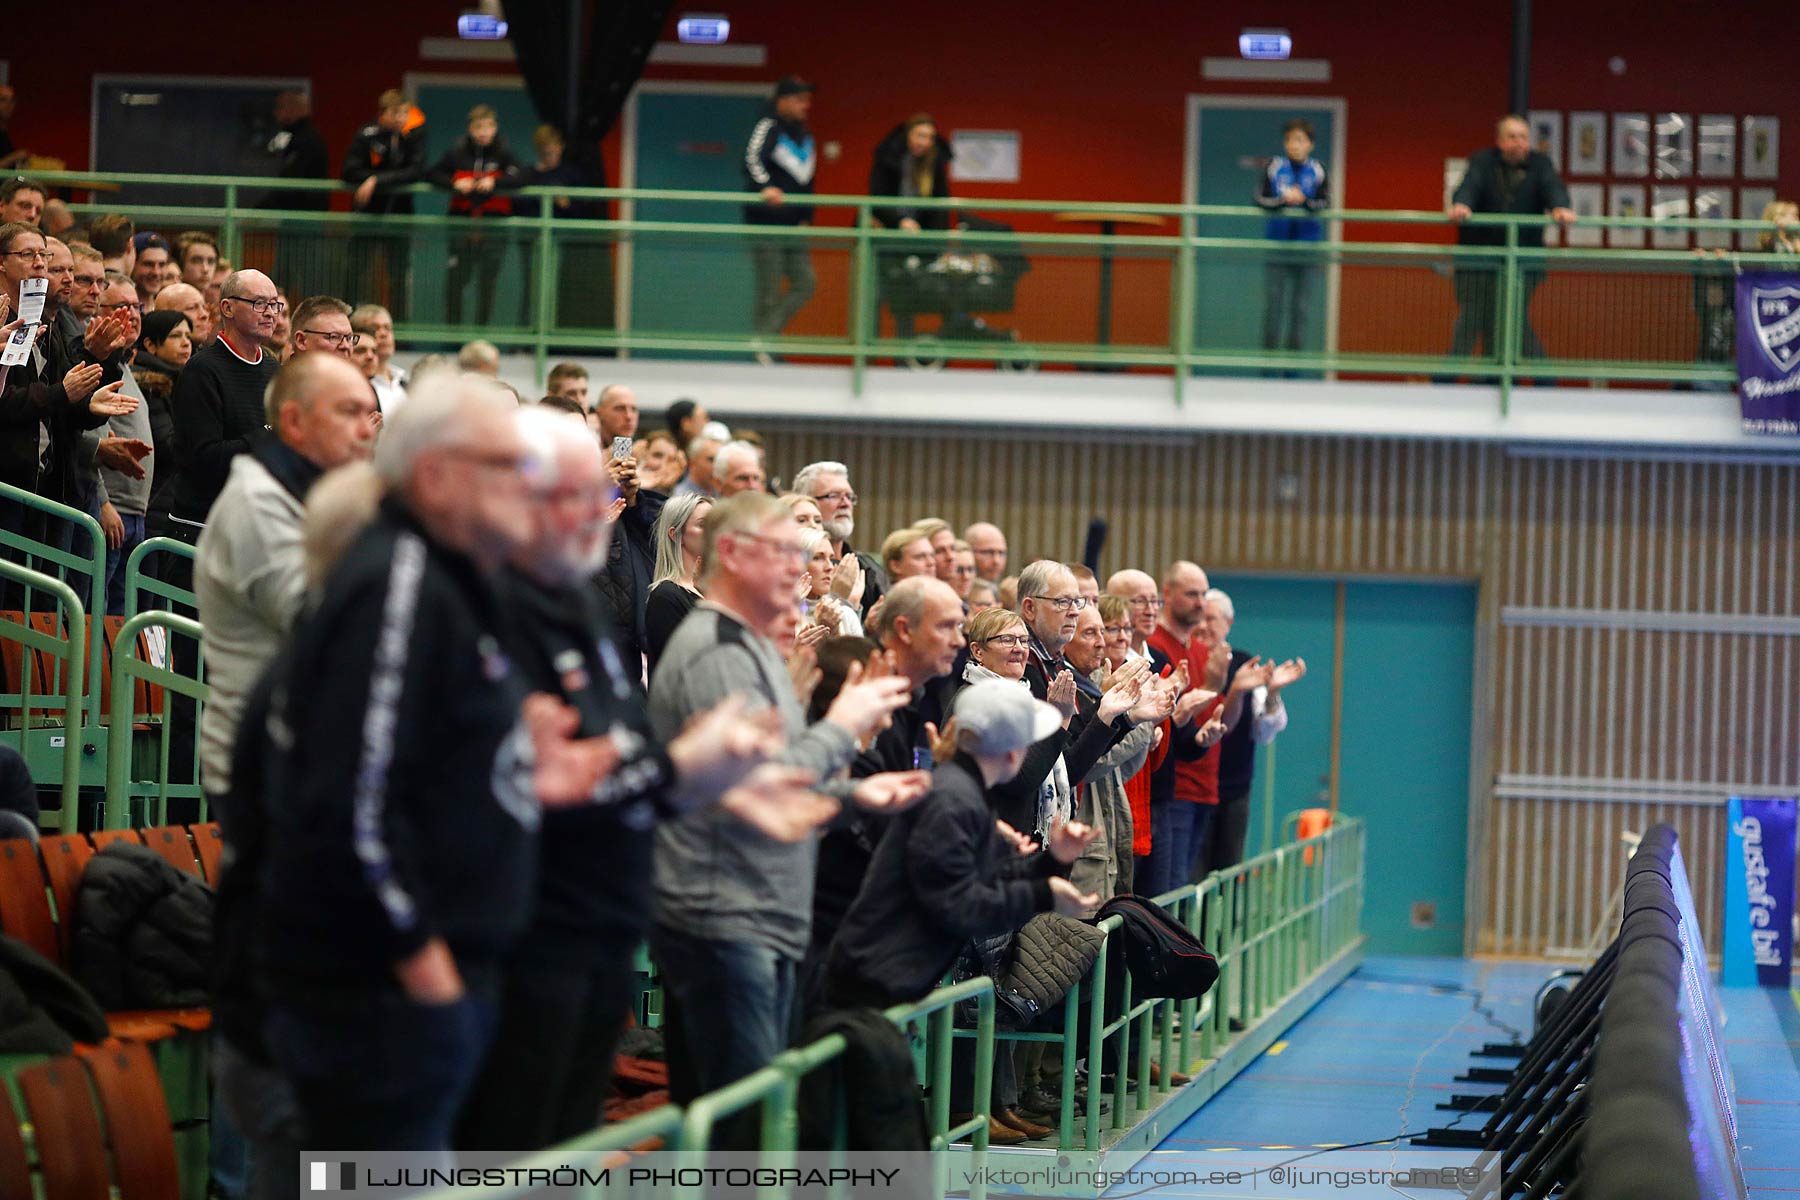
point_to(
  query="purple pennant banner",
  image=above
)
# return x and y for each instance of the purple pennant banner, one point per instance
(1768, 351)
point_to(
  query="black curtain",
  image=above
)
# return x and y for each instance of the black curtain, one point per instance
(580, 60)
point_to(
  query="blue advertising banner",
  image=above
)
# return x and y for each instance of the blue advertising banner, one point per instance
(1768, 351)
(1759, 892)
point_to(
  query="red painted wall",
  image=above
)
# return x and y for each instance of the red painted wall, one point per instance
(1099, 103)
(1097, 92)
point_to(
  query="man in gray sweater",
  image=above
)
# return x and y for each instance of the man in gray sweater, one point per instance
(249, 571)
(733, 907)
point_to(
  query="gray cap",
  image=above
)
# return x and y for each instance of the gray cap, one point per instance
(999, 717)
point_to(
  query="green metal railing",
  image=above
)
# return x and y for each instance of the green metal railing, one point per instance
(129, 667)
(1271, 923)
(138, 581)
(85, 562)
(65, 645)
(680, 260)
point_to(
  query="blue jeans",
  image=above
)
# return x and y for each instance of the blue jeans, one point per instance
(115, 563)
(383, 1074)
(730, 1007)
(256, 1135)
(1177, 829)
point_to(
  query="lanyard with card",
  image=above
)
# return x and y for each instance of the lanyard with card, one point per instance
(31, 311)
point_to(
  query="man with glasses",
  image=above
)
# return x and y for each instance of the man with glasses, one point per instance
(218, 401)
(59, 390)
(828, 483)
(989, 545)
(1145, 604)
(323, 323)
(122, 449)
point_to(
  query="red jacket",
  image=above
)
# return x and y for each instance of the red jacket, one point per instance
(1197, 781)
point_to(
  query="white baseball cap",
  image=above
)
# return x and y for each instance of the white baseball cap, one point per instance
(1000, 716)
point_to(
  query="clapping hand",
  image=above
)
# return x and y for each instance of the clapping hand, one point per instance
(1061, 694)
(1249, 677)
(123, 455)
(110, 402)
(1190, 704)
(943, 744)
(108, 333)
(778, 802)
(1069, 902)
(891, 791)
(1069, 839)
(1211, 732)
(847, 580)
(1125, 692)
(720, 745)
(566, 770)
(80, 381)
(1291, 671)
(866, 705)
(1024, 845)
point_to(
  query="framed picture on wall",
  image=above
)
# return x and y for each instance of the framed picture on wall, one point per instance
(1625, 200)
(1718, 146)
(1547, 134)
(1674, 145)
(1667, 203)
(1712, 204)
(1762, 147)
(1587, 143)
(1751, 202)
(1589, 201)
(1630, 145)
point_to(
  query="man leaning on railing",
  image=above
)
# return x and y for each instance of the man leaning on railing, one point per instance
(1507, 177)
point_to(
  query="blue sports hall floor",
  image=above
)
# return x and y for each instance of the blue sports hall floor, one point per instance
(1379, 1053)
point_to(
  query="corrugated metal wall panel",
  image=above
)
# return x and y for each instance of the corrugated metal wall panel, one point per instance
(1595, 537)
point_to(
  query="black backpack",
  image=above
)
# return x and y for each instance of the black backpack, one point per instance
(1165, 959)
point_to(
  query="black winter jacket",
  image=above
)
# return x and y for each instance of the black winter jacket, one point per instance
(465, 158)
(941, 876)
(143, 931)
(299, 153)
(887, 177)
(394, 159)
(1490, 186)
(780, 154)
(630, 566)
(42, 1010)
(594, 862)
(34, 399)
(400, 800)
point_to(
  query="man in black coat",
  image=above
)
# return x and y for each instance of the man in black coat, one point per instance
(298, 150)
(947, 872)
(1507, 177)
(568, 983)
(384, 157)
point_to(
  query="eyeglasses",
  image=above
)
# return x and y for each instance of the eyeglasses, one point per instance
(130, 305)
(1011, 641)
(1145, 602)
(1115, 630)
(799, 554)
(29, 254)
(261, 306)
(90, 281)
(1063, 603)
(329, 338)
(839, 497)
(959, 569)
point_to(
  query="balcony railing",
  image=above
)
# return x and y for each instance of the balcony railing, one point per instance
(670, 274)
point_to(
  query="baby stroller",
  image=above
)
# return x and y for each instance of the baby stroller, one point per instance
(969, 277)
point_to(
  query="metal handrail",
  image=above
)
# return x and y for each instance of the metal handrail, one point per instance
(128, 667)
(79, 179)
(93, 564)
(72, 650)
(137, 581)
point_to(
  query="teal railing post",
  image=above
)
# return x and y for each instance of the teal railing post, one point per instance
(1511, 320)
(73, 676)
(546, 275)
(862, 289)
(116, 813)
(230, 236)
(1267, 767)
(1185, 301)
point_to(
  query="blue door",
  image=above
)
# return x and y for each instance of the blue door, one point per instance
(1235, 147)
(1409, 656)
(1402, 732)
(1283, 619)
(693, 284)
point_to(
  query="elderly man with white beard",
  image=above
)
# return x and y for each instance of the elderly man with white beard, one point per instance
(828, 483)
(568, 983)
